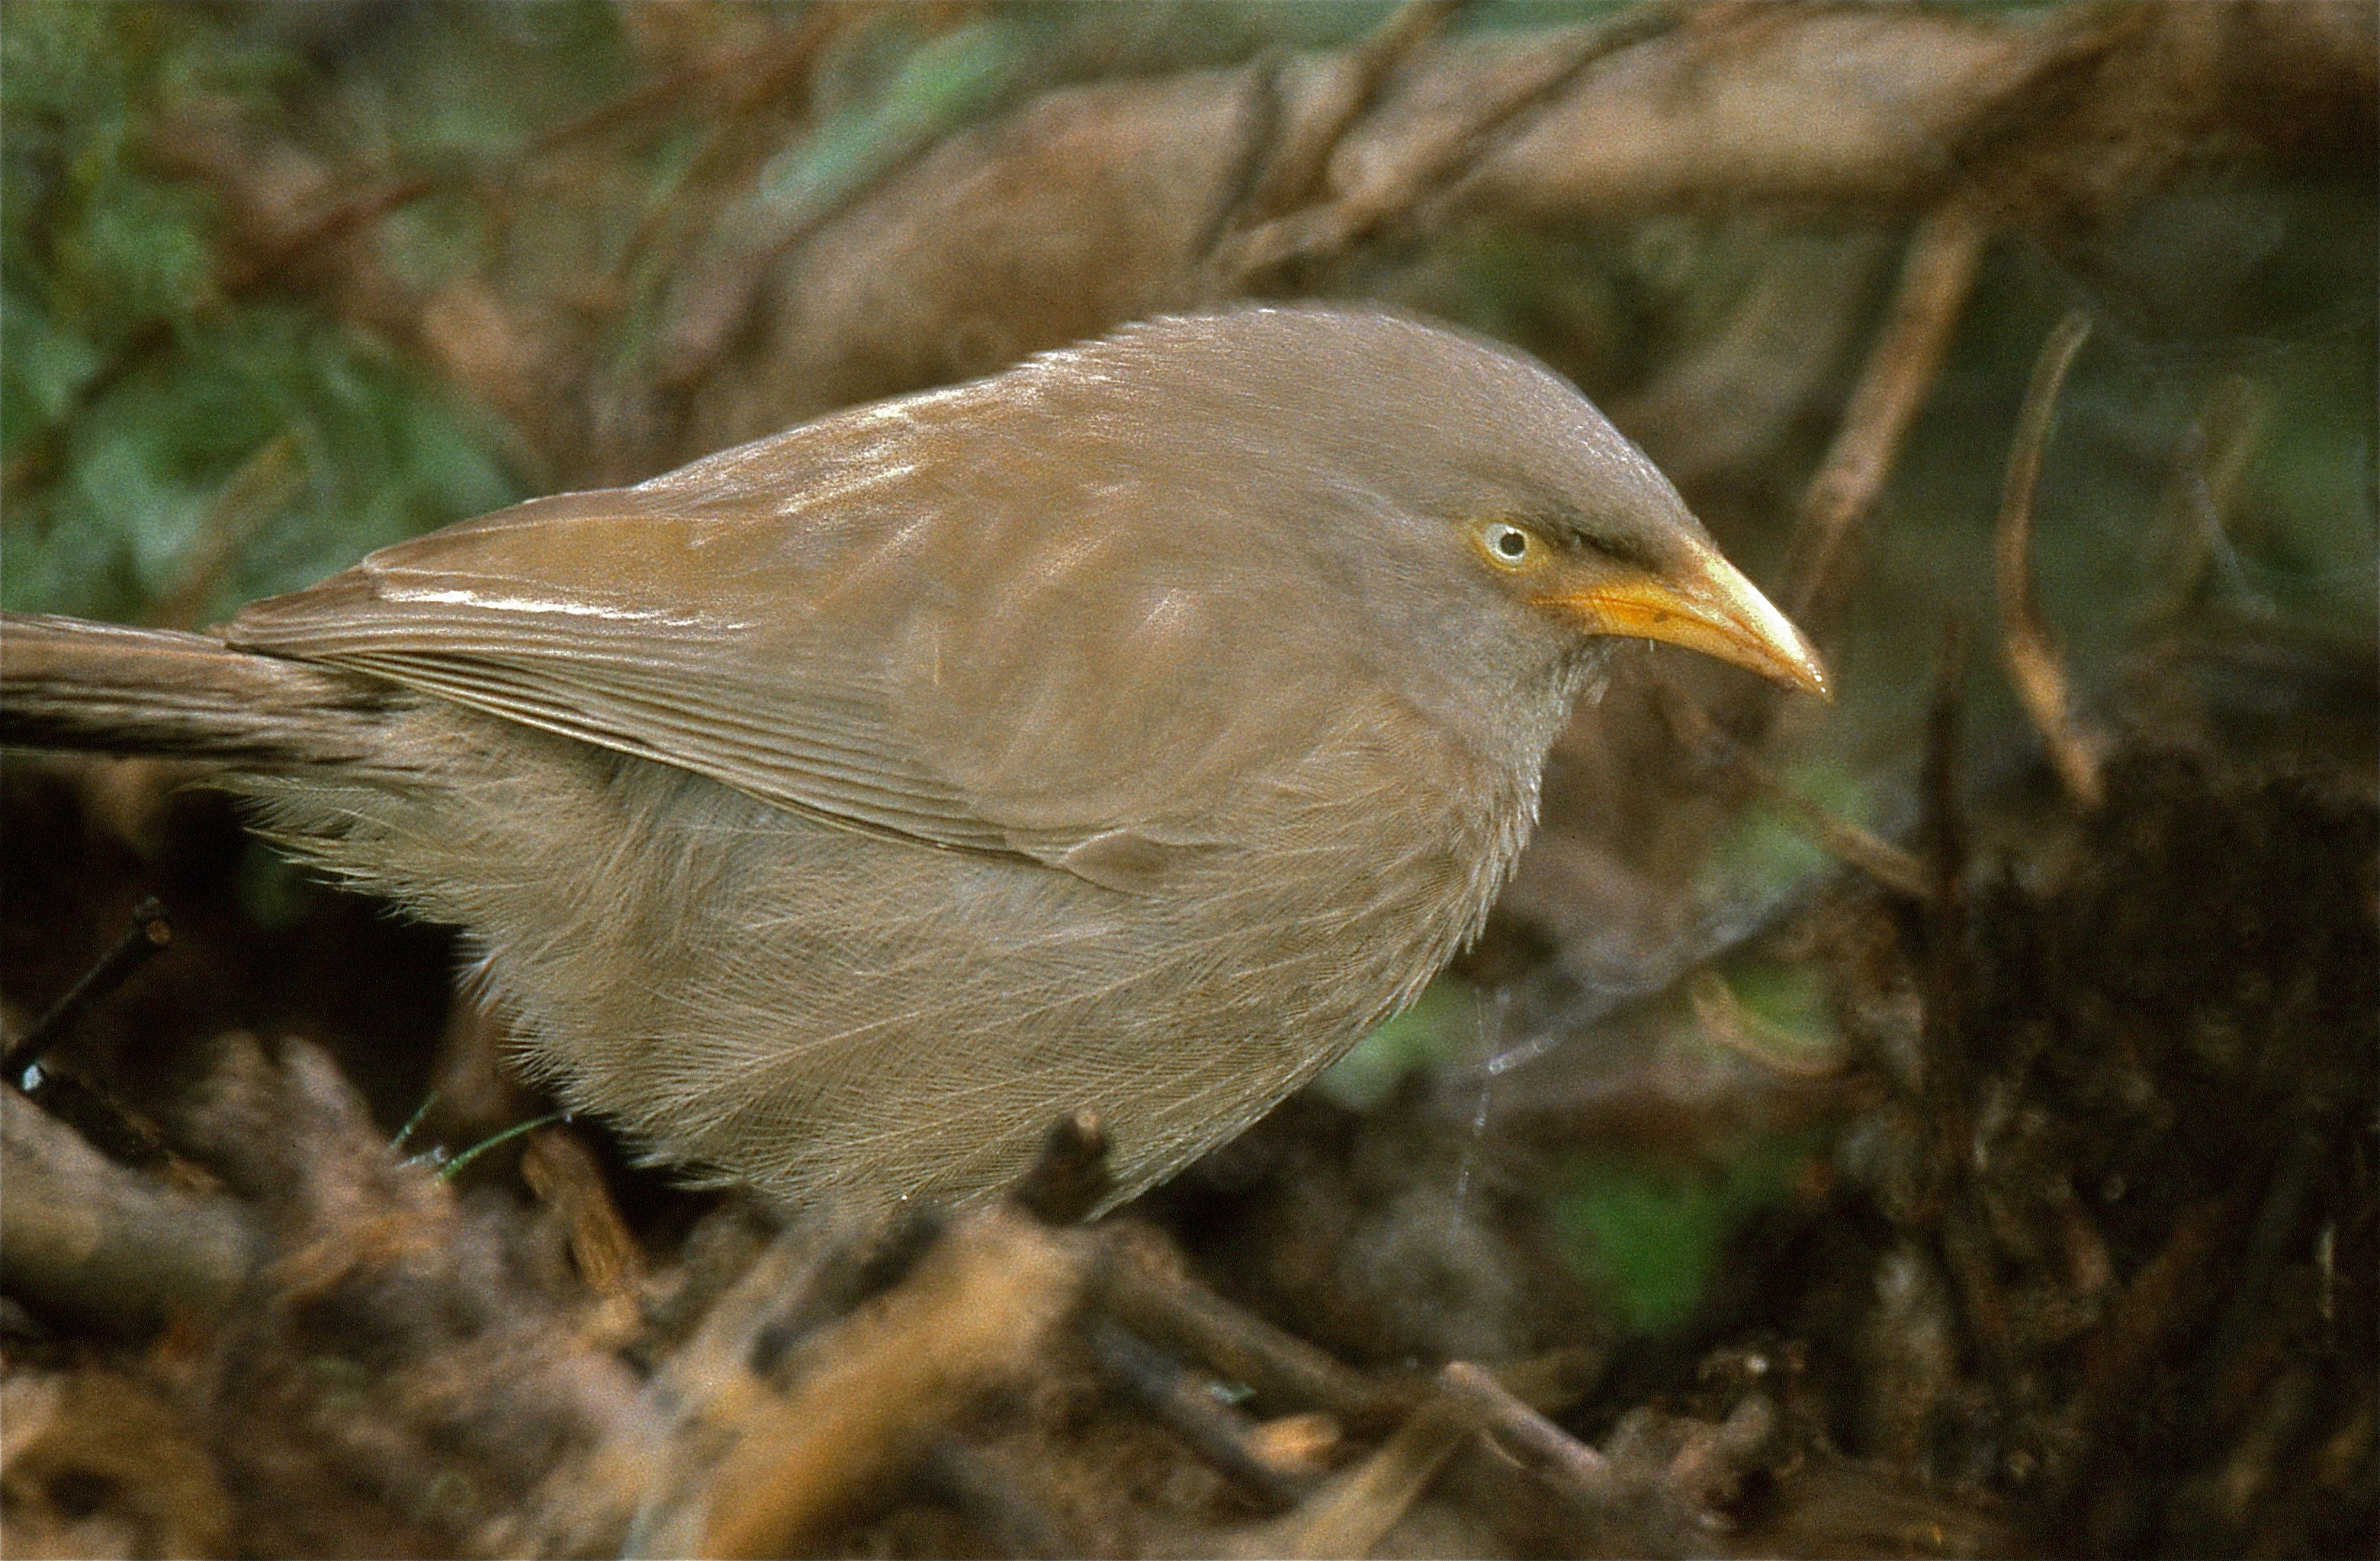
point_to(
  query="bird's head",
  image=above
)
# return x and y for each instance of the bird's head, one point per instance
(1462, 475)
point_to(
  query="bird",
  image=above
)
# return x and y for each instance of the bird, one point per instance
(1130, 731)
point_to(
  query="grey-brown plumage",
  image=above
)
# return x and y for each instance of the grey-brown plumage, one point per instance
(1130, 731)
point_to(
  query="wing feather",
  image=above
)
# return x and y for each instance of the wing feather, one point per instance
(873, 661)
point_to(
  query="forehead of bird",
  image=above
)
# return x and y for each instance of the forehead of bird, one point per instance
(1412, 416)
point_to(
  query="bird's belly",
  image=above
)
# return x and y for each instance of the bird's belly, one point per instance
(884, 1019)
(764, 997)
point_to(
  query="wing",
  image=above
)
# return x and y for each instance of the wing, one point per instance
(984, 654)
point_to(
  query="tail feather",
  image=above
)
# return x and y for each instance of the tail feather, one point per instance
(68, 682)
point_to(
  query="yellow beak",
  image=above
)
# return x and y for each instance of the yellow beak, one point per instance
(1708, 606)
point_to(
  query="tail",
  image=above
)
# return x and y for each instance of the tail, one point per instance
(68, 682)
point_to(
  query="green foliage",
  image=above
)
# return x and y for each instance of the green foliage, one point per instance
(93, 252)
(1441, 1027)
(446, 82)
(133, 391)
(1786, 1000)
(1649, 1233)
(2304, 532)
(940, 83)
(1767, 853)
(142, 466)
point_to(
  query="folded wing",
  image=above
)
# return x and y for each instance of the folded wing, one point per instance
(837, 625)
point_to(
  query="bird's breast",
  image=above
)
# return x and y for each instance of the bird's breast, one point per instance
(1370, 862)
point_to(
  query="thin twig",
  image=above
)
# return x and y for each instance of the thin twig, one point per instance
(1951, 1200)
(873, 1393)
(1711, 1463)
(712, 292)
(670, 217)
(341, 219)
(1238, 1344)
(261, 487)
(1255, 127)
(1292, 174)
(1556, 1379)
(1217, 1432)
(1318, 232)
(82, 1237)
(2167, 1298)
(1725, 1018)
(1493, 1408)
(2272, 1243)
(659, 91)
(2075, 747)
(1937, 276)
(2206, 477)
(1888, 863)
(1965, 1243)
(1846, 843)
(150, 930)
(1945, 1080)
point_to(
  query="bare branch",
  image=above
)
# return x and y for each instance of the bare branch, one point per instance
(884, 1384)
(1880, 859)
(150, 930)
(1888, 863)
(1936, 278)
(1150, 1298)
(1433, 164)
(1495, 1409)
(1296, 170)
(1217, 1432)
(2198, 498)
(2075, 748)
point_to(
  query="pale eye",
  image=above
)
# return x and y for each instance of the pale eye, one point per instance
(1507, 544)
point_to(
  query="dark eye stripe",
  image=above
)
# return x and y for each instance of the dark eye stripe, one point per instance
(1624, 549)
(1567, 528)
